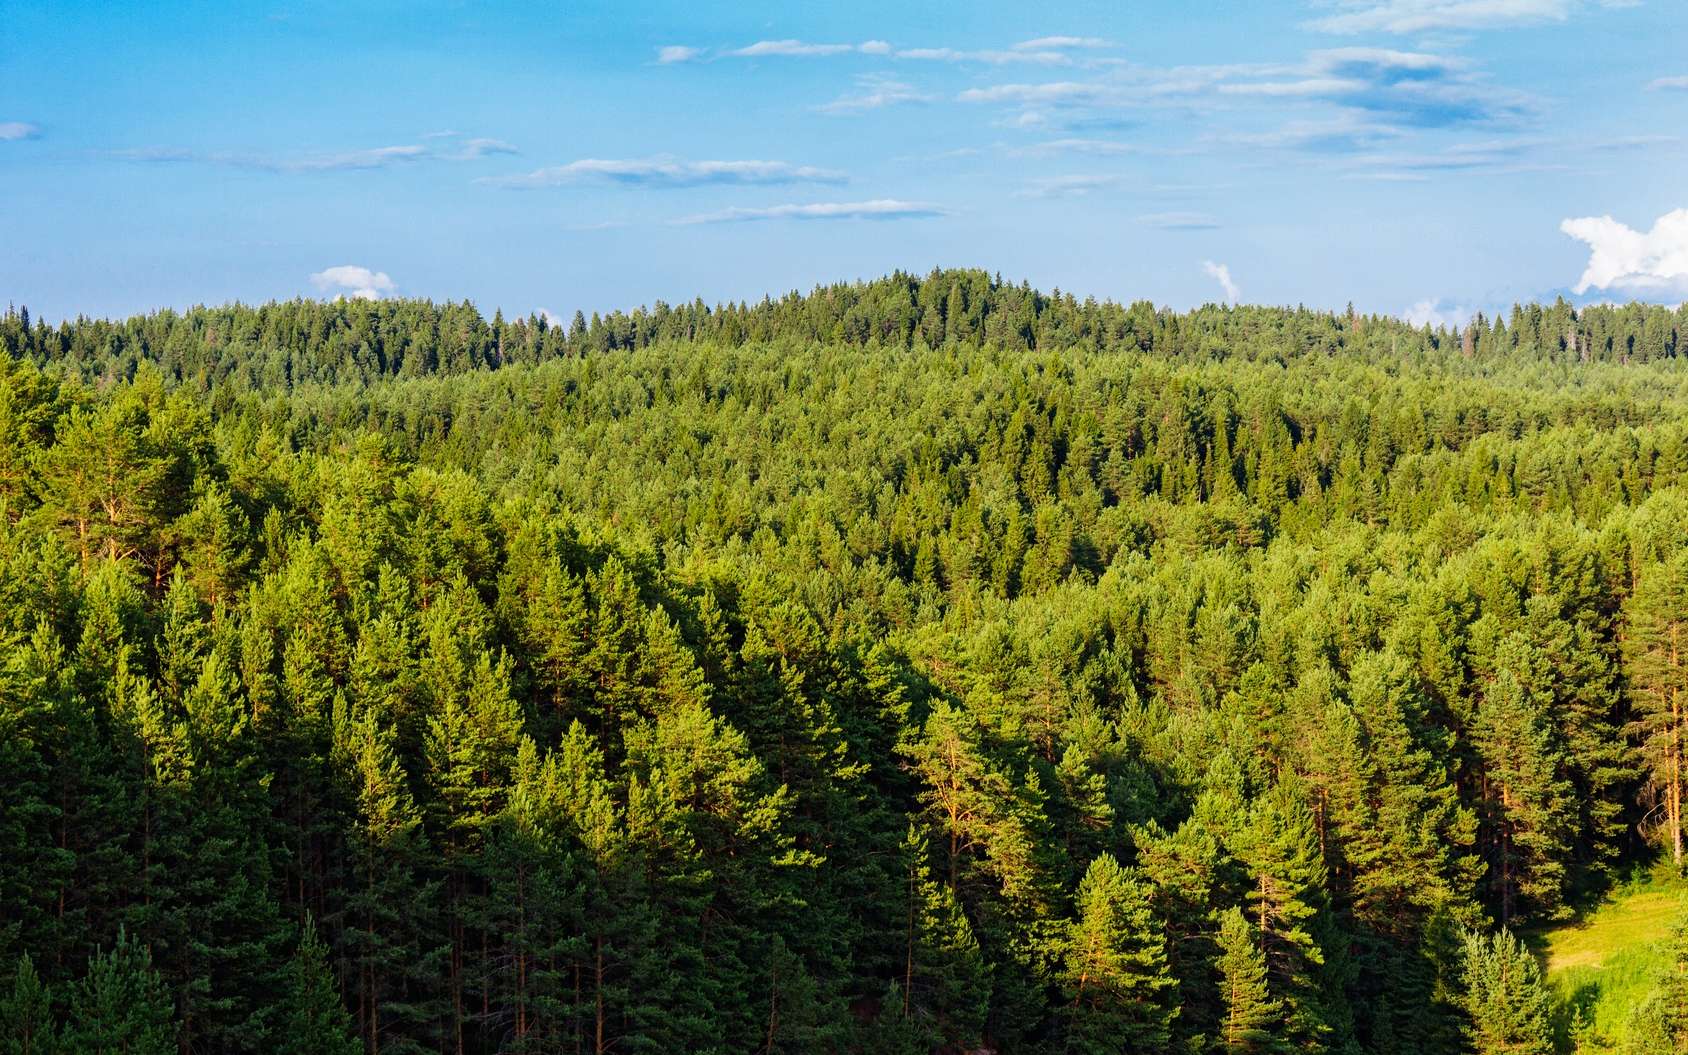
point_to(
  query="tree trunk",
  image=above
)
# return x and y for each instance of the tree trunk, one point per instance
(598, 979)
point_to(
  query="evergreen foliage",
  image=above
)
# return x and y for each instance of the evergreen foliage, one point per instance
(921, 665)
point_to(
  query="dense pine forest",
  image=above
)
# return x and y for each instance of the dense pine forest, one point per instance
(926, 665)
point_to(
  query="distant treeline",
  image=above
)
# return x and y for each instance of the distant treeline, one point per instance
(278, 345)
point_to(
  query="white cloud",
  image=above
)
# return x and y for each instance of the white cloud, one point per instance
(551, 319)
(11, 131)
(994, 57)
(1043, 51)
(1419, 16)
(1055, 92)
(1222, 274)
(349, 280)
(1632, 261)
(1661, 84)
(480, 147)
(1051, 43)
(672, 53)
(1437, 314)
(800, 48)
(876, 93)
(669, 172)
(878, 209)
(1074, 145)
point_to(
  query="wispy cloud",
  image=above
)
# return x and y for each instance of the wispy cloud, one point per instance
(1415, 88)
(1079, 145)
(1482, 157)
(993, 57)
(12, 131)
(1340, 135)
(669, 172)
(440, 146)
(350, 280)
(672, 53)
(878, 209)
(1222, 275)
(1180, 221)
(1636, 262)
(801, 49)
(1054, 43)
(1060, 93)
(1420, 16)
(1042, 51)
(1375, 87)
(1668, 84)
(479, 148)
(1635, 142)
(875, 92)
(1074, 186)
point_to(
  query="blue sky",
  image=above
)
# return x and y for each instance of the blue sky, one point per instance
(1416, 157)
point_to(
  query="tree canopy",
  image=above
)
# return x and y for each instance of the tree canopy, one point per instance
(918, 665)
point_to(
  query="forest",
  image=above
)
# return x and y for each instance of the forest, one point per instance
(917, 666)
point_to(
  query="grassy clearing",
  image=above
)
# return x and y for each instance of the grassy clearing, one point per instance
(1605, 964)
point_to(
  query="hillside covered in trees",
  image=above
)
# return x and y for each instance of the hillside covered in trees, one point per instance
(923, 665)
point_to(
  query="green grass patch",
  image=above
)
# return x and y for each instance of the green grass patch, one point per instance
(1606, 964)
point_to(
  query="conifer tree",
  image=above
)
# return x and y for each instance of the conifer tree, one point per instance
(1115, 972)
(121, 1007)
(1251, 1018)
(26, 1015)
(1655, 643)
(1526, 817)
(1286, 903)
(945, 983)
(1505, 999)
(312, 1020)
(395, 951)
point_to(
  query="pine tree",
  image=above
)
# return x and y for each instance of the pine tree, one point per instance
(1287, 905)
(26, 1015)
(1526, 800)
(945, 984)
(1505, 999)
(534, 911)
(312, 1020)
(1655, 644)
(213, 543)
(1115, 973)
(105, 480)
(396, 954)
(1252, 1018)
(121, 1007)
